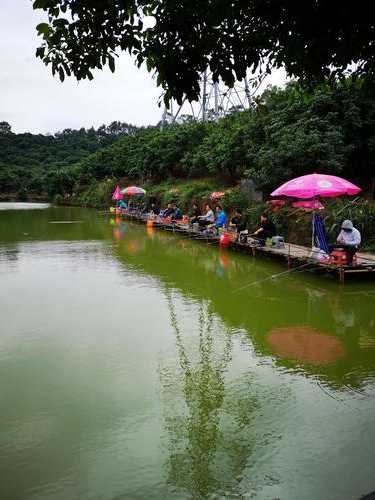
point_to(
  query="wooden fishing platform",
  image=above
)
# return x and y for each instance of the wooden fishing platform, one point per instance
(296, 256)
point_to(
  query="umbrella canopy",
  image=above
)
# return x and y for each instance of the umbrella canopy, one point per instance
(308, 204)
(216, 195)
(133, 191)
(116, 195)
(313, 185)
(305, 344)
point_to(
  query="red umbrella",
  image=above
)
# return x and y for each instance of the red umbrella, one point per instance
(133, 191)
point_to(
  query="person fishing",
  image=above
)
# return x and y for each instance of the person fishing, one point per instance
(177, 213)
(167, 212)
(221, 217)
(194, 214)
(239, 222)
(349, 240)
(122, 205)
(267, 229)
(208, 218)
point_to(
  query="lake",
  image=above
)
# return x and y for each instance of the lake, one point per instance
(136, 364)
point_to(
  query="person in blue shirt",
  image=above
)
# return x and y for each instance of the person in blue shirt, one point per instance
(221, 217)
(177, 213)
(122, 204)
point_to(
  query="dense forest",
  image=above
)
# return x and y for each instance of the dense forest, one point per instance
(287, 132)
(41, 165)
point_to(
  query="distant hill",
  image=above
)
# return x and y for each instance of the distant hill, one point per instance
(29, 161)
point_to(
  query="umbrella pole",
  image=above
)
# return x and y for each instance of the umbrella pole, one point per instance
(313, 231)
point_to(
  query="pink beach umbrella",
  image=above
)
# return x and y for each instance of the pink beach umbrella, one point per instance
(216, 195)
(313, 185)
(117, 194)
(133, 191)
(316, 185)
(308, 204)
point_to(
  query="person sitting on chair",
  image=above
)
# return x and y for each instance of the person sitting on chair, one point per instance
(239, 222)
(349, 239)
(122, 205)
(221, 217)
(194, 214)
(208, 218)
(177, 213)
(267, 229)
(167, 212)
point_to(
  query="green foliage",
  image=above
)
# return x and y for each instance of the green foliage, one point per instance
(97, 194)
(359, 211)
(235, 198)
(309, 38)
(58, 199)
(43, 163)
(301, 133)
(289, 132)
(5, 128)
(185, 193)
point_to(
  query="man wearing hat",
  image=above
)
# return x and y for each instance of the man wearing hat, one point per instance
(349, 240)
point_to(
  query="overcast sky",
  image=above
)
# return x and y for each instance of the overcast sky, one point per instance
(32, 100)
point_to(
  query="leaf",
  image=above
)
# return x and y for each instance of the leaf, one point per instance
(61, 22)
(40, 4)
(111, 63)
(43, 29)
(40, 52)
(61, 74)
(66, 68)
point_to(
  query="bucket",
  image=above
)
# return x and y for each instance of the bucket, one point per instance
(225, 239)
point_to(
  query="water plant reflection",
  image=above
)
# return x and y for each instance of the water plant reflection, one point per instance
(210, 429)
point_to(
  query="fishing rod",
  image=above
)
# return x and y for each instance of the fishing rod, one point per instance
(273, 276)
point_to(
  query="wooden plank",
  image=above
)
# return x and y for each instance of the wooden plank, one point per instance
(292, 252)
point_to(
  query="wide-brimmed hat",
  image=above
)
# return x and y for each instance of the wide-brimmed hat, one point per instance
(347, 224)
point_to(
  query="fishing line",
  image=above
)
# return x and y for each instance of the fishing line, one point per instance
(273, 276)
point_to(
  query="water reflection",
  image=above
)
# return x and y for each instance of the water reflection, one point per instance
(133, 358)
(208, 418)
(203, 273)
(305, 344)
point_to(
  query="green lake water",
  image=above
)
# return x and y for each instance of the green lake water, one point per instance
(136, 364)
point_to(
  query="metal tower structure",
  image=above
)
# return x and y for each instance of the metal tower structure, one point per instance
(216, 100)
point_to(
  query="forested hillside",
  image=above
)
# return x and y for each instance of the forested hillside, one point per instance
(37, 164)
(288, 132)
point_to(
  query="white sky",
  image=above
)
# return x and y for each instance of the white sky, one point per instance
(32, 100)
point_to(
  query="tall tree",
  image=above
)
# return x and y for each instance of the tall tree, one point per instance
(313, 39)
(5, 128)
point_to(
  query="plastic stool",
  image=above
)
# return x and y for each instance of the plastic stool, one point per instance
(340, 258)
